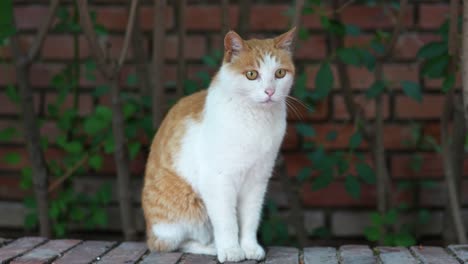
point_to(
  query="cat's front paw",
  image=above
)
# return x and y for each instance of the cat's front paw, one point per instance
(253, 250)
(231, 254)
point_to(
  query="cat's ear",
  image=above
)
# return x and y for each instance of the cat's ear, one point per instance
(286, 40)
(233, 45)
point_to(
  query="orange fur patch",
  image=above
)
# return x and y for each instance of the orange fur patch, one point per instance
(166, 196)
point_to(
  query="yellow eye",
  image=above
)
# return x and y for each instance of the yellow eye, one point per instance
(251, 75)
(280, 73)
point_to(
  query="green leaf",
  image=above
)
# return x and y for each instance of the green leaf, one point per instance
(7, 27)
(349, 56)
(404, 240)
(435, 67)
(100, 218)
(355, 140)
(424, 216)
(95, 161)
(352, 186)
(104, 194)
(12, 93)
(432, 49)
(323, 81)
(101, 30)
(304, 174)
(30, 221)
(132, 80)
(77, 214)
(306, 130)
(209, 61)
(29, 202)
(300, 89)
(100, 90)
(376, 219)
(90, 65)
(332, 135)
(372, 233)
(378, 47)
(449, 82)
(26, 178)
(323, 180)
(109, 145)
(303, 33)
(366, 173)
(412, 90)
(12, 158)
(7, 134)
(390, 217)
(129, 109)
(73, 147)
(133, 149)
(376, 89)
(59, 229)
(353, 30)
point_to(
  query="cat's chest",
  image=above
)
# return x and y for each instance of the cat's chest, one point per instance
(245, 133)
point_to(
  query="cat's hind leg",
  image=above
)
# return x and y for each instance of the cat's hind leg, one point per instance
(195, 247)
(165, 237)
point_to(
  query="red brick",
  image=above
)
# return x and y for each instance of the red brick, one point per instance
(335, 195)
(295, 162)
(50, 130)
(291, 140)
(203, 17)
(41, 74)
(85, 105)
(409, 44)
(209, 17)
(116, 18)
(17, 125)
(437, 196)
(360, 78)
(7, 73)
(10, 108)
(340, 111)
(430, 108)
(432, 15)
(30, 16)
(373, 17)
(10, 188)
(432, 166)
(312, 48)
(261, 17)
(23, 162)
(194, 47)
(395, 73)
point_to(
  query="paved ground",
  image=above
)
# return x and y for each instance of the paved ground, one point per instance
(35, 250)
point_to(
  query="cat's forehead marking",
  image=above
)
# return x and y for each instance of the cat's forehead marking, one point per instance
(260, 52)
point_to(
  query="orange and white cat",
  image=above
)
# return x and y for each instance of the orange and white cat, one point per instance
(213, 155)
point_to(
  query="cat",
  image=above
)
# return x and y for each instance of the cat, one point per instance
(211, 159)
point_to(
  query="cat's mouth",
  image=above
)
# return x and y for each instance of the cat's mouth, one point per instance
(268, 101)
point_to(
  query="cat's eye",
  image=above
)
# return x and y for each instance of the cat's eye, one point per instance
(251, 75)
(280, 73)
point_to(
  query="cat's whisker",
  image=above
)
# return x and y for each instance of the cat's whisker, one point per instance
(294, 110)
(308, 107)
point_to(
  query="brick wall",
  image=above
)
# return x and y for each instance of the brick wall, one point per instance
(331, 207)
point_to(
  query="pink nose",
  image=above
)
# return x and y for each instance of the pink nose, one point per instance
(270, 91)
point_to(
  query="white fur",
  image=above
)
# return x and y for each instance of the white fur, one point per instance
(228, 158)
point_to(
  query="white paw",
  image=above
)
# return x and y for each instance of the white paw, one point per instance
(253, 251)
(231, 254)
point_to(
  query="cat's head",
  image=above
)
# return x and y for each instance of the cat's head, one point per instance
(261, 71)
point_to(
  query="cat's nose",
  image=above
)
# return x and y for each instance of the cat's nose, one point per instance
(270, 91)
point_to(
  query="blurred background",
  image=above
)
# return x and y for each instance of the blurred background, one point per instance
(376, 143)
